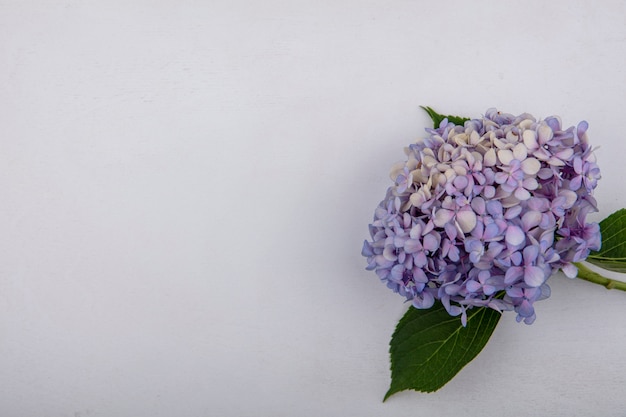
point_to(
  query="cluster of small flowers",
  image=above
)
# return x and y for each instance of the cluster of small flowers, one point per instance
(483, 214)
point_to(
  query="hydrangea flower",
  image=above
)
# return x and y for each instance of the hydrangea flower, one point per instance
(481, 215)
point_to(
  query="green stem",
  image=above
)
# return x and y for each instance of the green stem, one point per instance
(588, 275)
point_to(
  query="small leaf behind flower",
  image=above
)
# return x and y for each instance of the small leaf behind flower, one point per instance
(437, 118)
(429, 347)
(612, 255)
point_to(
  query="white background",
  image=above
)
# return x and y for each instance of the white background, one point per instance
(186, 187)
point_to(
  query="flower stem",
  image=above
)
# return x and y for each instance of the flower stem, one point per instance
(588, 275)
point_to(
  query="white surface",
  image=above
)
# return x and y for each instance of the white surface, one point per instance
(186, 188)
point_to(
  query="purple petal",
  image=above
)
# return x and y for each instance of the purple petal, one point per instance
(530, 254)
(539, 204)
(416, 231)
(399, 241)
(491, 231)
(383, 262)
(428, 228)
(575, 183)
(513, 274)
(529, 320)
(546, 291)
(522, 194)
(423, 300)
(514, 236)
(489, 191)
(397, 272)
(494, 207)
(516, 258)
(495, 249)
(530, 184)
(501, 177)
(578, 165)
(525, 309)
(371, 264)
(406, 220)
(460, 182)
(479, 206)
(472, 286)
(419, 259)
(367, 249)
(454, 254)
(513, 212)
(382, 273)
(570, 270)
(547, 221)
(545, 173)
(431, 242)
(534, 276)
(515, 292)
(478, 230)
(419, 275)
(489, 289)
(582, 128)
(565, 154)
(531, 219)
(451, 231)
(412, 246)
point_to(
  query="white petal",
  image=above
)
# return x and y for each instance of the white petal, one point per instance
(505, 156)
(442, 217)
(530, 139)
(466, 220)
(520, 152)
(416, 232)
(522, 194)
(460, 139)
(508, 201)
(531, 166)
(545, 133)
(570, 198)
(489, 160)
(418, 198)
(556, 162)
(566, 154)
(396, 169)
(428, 161)
(526, 123)
(474, 138)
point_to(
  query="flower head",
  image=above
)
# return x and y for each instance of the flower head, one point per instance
(483, 214)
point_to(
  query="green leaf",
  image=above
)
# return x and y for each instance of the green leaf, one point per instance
(612, 254)
(429, 347)
(611, 264)
(437, 118)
